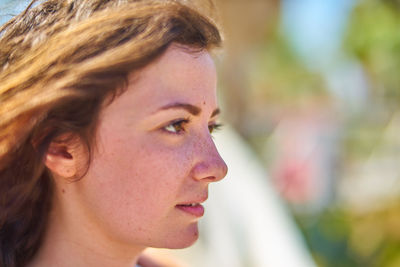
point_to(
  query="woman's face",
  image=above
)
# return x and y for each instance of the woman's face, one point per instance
(155, 156)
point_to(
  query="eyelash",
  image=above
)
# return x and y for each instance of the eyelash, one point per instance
(214, 127)
(179, 126)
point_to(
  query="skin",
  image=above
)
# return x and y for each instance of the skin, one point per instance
(154, 151)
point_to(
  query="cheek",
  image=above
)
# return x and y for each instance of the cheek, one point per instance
(132, 176)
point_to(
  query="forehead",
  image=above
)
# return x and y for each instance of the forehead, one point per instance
(178, 57)
(180, 75)
(181, 66)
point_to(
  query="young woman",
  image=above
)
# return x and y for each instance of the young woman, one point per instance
(106, 114)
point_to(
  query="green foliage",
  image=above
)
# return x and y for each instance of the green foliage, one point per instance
(340, 237)
(374, 38)
(327, 236)
(278, 77)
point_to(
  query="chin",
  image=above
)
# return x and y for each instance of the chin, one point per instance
(184, 238)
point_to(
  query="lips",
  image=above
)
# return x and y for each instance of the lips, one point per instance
(192, 206)
(194, 209)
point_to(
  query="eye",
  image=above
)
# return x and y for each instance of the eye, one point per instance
(177, 126)
(214, 127)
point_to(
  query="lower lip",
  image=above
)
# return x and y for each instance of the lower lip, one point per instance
(197, 210)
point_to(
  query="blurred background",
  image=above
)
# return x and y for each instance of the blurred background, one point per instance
(313, 88)
(310, 93)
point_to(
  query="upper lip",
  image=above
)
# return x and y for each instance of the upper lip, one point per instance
(195, 201)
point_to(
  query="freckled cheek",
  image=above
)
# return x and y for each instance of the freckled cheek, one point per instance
(161, 167)
(148, 174)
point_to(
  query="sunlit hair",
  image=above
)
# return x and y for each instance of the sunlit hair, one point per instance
(59, 61)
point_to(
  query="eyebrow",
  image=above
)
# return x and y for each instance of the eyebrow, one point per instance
(215, 112)
(194, 110)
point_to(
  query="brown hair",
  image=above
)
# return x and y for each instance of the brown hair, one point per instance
(58, 62)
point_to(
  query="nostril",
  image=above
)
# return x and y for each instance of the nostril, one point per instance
(211, 178)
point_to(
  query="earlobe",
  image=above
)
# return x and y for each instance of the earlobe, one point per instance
(61, 159)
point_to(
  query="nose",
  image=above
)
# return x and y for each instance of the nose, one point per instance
(210, 166)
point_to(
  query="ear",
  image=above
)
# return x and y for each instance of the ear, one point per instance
(64, 156)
